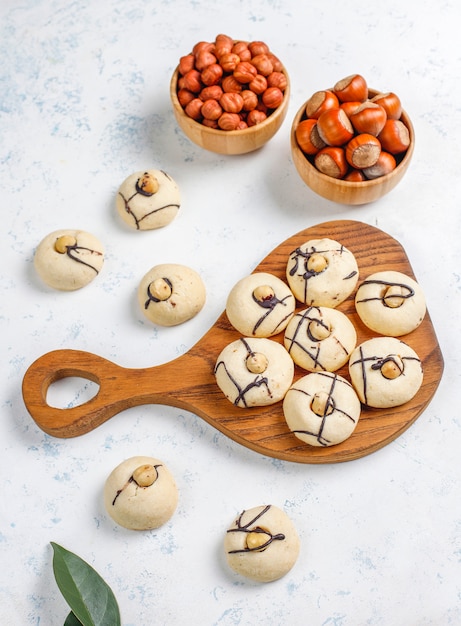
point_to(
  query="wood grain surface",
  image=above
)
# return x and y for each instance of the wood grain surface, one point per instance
(188, 382)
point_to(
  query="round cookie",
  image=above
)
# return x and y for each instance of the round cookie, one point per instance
(170, 294)
(254, 371)
(262, 544)
(322, 272)
(260, 305)
(148, 200)
(322, 409)
(390, 303)
(320, 339)
(69, 259)
(140, 493)
(385, 372)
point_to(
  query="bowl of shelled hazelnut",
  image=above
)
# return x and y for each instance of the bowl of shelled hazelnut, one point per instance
(230, 96)
(352, 144)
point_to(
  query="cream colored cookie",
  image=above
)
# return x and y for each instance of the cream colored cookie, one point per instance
(140, 493)
(322, 409)
(320, 339)
(148, 200)
(254, 371)
(262, 544)
(260, 305)
(385, 372)
(390, 303)
(322, 272)
(69, 259)
(170, 294)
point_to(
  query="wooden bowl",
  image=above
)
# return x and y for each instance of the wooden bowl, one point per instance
(228, 141)
(343, 191)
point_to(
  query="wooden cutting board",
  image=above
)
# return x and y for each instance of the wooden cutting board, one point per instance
(188, 382)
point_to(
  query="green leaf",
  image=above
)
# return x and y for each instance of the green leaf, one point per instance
(72, 620)
(88, 595)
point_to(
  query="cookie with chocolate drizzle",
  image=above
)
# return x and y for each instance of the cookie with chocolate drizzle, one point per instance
(322, 272)
(148, 200)
(385, 372)
(260, 305)
(254, 371)
(390, 303)
(320, 339)
(322, 409)
(69, 259)
(262, 544)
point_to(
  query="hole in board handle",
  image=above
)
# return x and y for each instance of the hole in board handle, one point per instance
(69, 392)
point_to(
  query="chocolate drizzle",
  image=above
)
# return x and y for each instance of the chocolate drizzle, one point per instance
(376, 364)
(132, 480)
(73, 251)
(151, 297)
(270, 304)
(407, 291)
(312, 314)
(335, 380)
(258, 380)
(250, 527)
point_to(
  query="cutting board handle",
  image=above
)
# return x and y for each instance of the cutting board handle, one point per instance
(58, 364)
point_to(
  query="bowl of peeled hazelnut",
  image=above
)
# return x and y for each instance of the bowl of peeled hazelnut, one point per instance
(352, 144)
(230, 96)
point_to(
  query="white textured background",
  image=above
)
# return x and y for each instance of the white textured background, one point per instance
(84, 102)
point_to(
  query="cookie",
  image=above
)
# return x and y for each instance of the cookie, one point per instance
(260, 305)
(69, 259)
(140, 493)
(390, 303)
(322, 409)
(254, 371)
(320, 339)
(385, 372)
(148, 200)
(262, 544)
(322, 272)
(170, 294)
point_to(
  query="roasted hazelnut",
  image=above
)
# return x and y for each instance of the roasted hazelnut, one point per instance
(258, 47)
(186, 63)
(231, 102)
(203, 59)
(211, 110)
(185, 96)
(212, 74)
(250, 99)
(256, 117)
(241, 48)
(63, 243)
(192, 81)
(230, 83)
(272, 97)
(258, 84)
(229, 61)
(277, 79)
(213, 92)
(245, 72)
(194, 109)
(228, 121)
(263, 64)
(223, 45)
